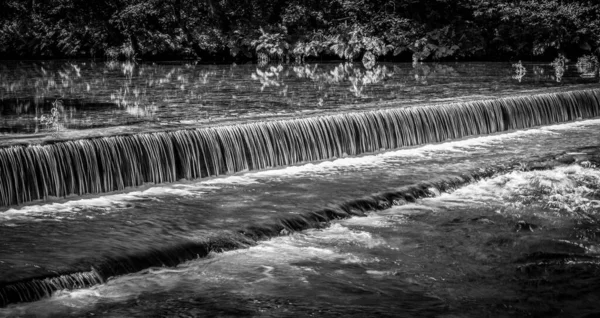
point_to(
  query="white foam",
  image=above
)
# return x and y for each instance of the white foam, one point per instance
(577, 125)
(425, 151)
(372, 220)
(115, 202)
(380, 273)
(230, 180)
(243, 271)
(106, 203)
(561, 190)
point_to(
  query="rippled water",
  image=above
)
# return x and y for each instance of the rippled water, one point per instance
(153, 96)
(521, 243)
(518, 243)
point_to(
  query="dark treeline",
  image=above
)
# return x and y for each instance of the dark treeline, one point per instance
(225, 30)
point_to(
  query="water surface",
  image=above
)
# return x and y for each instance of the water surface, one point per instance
(518, 243)
(138, 97)
(500, 246)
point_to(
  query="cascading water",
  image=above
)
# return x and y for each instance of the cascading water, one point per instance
(106, 164)
(37, 288)
(102, 267)
(438, 227)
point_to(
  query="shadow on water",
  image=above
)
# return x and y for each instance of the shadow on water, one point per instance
(74, 114)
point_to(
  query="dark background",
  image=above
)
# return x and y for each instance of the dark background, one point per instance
(227, 30)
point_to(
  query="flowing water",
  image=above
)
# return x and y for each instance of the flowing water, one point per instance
(316, 216)
(122, 97)
(513, 243)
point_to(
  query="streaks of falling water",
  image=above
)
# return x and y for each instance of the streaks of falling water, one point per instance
(40, 287)
(113, 163)
(44, 287)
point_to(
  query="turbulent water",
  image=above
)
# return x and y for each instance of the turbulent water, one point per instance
(520, 242)
(302, 190)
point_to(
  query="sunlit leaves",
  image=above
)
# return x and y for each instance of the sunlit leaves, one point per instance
(282, 29)
(272, 44)
(537, 26)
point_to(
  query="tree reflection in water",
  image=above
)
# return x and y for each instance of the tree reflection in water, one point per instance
(98, 94)
(355, 77)
(588, 66)
(520, 71)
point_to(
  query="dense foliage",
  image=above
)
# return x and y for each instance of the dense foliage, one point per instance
(299, 29)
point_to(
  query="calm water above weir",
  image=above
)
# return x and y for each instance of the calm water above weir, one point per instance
(324, 190)
(154, 96)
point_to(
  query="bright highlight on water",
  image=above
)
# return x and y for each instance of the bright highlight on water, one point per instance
(248, 217)
(114, 163)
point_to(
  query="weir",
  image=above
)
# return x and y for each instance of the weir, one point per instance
(94, 272)
(97, 165)
(113, 163)
(40, 287)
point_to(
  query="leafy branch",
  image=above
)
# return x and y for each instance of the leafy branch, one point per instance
(53, 120)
